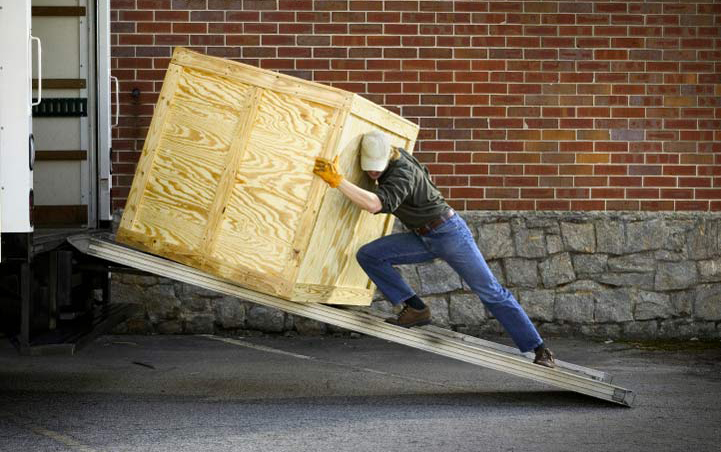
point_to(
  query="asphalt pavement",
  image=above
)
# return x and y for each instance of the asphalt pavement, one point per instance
(197, 393)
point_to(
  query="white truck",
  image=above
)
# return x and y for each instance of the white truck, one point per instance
(55, 171)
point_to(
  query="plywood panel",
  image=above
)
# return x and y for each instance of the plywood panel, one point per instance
(273, 183)
(277, 82)
(142, 172)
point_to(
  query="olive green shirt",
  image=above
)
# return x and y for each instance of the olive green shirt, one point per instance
(405, 190)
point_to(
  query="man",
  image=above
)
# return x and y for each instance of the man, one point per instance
(404, 188)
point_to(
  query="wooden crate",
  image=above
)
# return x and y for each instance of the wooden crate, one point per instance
(225, 181)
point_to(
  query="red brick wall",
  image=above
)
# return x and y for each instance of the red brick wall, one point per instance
(545, 105)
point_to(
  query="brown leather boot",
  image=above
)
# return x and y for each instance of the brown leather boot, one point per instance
(409, 317)
(544, 357)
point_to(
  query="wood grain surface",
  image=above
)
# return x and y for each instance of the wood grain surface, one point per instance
(225, 181)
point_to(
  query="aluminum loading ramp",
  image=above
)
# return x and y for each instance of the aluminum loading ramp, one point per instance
(431, 339)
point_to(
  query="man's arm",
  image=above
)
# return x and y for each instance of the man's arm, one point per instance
(364, 199)
(328, 171)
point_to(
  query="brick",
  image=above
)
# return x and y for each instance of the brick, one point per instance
(588, 205)
(679, 170)
(467, 192)
(575, 170)
(282, 4)
(593, 19)
(620, 112)
(541, 123)
(659, 182)
(399, 53)
(576, 146)
(697, 159)
(642, 193)
(662, 66)
(679, 101)
(619, 31)
(662, 158)
(578, 54)
(417, 18)
(628, 158)
(537, 193)
(543, 170)
(524, 158)
(589, 181)
(507, 146)
(622, 205)
(436, 6)
(439, 76)
(607, 193)
(657, 205)
(559, 135)
(561, 181)
(502, 192)
(517, 205)
(553, 205)
(136, 16)
(675, 193)
(486, 181)
(692, 205)
(573, 123)
(505, 54)
(708, 193)
(557, 158)
(541, 146)
(593, 135)
(524, 135)
(542, 100)
(611, 54)
(486, 204)
(592, 158)
(644, 170)
(603, 146)
(574, 193)
(662, 89)
(555, 88)
(472, 30)
(594, 89)
(506, 169)
(520, 181)
(694, 181)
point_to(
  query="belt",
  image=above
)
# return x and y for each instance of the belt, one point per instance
(434, 224)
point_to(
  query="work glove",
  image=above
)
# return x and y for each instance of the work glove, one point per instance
(328, 171)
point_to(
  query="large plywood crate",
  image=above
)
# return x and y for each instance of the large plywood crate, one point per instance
(225, 181)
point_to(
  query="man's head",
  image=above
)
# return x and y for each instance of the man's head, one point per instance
(375, 153)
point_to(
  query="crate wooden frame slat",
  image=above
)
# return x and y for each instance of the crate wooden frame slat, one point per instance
(225, 184)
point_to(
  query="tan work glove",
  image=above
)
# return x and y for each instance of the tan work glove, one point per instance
(328, 171)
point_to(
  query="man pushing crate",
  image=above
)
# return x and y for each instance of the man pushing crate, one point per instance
(404, 188)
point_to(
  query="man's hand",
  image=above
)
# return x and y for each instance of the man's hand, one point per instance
(328, 171)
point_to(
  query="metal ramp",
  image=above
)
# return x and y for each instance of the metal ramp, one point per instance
(429, 338)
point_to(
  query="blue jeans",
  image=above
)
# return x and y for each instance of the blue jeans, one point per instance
(452, 242)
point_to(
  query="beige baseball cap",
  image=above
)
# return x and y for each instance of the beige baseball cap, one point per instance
(375, 151)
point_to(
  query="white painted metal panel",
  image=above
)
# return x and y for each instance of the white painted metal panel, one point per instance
(60, 184)
(16, 60)
(60, 37)
(105, 112)
(57, 134)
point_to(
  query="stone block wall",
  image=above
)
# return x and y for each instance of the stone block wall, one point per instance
(594, 274)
